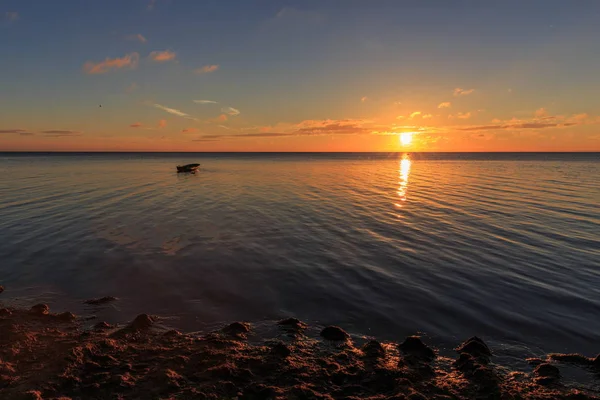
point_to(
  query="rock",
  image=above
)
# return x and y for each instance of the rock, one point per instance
(596, 361)
(40, 309)
(334, 333)
(237, 328)
(33, 395)
(172, 333)
(414, 346)
(373, 349)
(5, 312)
(141, 322)
(102, 325)
(1, 289)
(572, 358)
(102, 300)
(292, 324)
(547, 370)
(465, 363)
(66, 316)
(281, 350)
(475, 347)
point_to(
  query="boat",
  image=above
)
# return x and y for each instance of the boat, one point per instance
(188, 168)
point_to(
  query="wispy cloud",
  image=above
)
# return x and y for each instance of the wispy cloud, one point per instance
(137, 37)
(26, 133)
(526, 125)
(59, 133)
(445, 104)
(128, 61)
(222, 118)
(136, 125)
(415, 114)
(205, 102)
(427, 116)
(190, 130)
(207, 69)
(162, 123)
(541, 112)
(466, 115)
(364, 99)
(163, 56)
(463, 92)
(580, 117)
(230, 111)
(11, 16)
(12, 130)
(174, 111)
(131, 88)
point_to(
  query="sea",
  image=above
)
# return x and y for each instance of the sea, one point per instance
(505, 246)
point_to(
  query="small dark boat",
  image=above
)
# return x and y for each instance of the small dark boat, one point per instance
(188, 168)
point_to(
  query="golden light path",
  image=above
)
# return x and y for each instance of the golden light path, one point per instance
(405, 164)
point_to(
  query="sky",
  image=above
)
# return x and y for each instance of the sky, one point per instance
(304, 75)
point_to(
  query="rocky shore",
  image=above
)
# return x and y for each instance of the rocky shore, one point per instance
(45, 355)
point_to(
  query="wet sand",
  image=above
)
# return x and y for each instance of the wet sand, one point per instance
(45, 355)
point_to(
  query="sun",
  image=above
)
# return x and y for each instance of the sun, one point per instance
(406, 138)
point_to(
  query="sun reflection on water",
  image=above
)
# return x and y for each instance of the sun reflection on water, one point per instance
(405, 164)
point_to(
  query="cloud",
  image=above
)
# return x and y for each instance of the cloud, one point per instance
(174, 111)
(139, 37)
(59, 133)
(128, 61)
(415, 114)
(466, 115)
(230, 111)
(526, 125)
(163, 56)
(136, 125)
(427, 116)
(364, 99)
(207, 69)
(131, 88)
(26, 133)
(541, 112)
(580, 117)
(12, 130)
(463, 92)
(222, 118)
(205, 102)
(189, 130)
(11, 16)
(496, 121)
(162, 123)
(445, 104)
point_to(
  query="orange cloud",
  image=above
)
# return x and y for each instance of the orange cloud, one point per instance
(136, 125)
(466, 115)
(139, 37)
(580, 117)
(162, 123)
(541, 112)
(445, 104)
(128, 61)
(190, 130)
(363, 99)
(415, 114)
(463, 92)
(427, 116)
(222, 118)
(162, 56)
(207, 69)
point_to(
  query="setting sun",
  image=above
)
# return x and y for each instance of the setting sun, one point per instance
(406, 138)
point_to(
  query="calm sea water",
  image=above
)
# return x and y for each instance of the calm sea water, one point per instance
(505, 246)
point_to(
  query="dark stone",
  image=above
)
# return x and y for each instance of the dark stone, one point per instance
(547, 371)
(596, 362)
(237, 328)
(5, 312)
(172, 333)
(66, 316)
(373, 349)
(102, 300)
(1, 289)
(414, 346)
(33, 395)
(573, 358)
(465, 364)
(416, 396)
(40, 309)
(281, 350)
(334, 333)
(142, 321)
(102, 325)
(292, 324)
(260, 391)
(475, 347)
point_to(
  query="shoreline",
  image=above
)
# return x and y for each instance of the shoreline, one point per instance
(46, 355)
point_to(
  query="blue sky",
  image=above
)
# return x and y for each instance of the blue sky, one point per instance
(282, 63)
